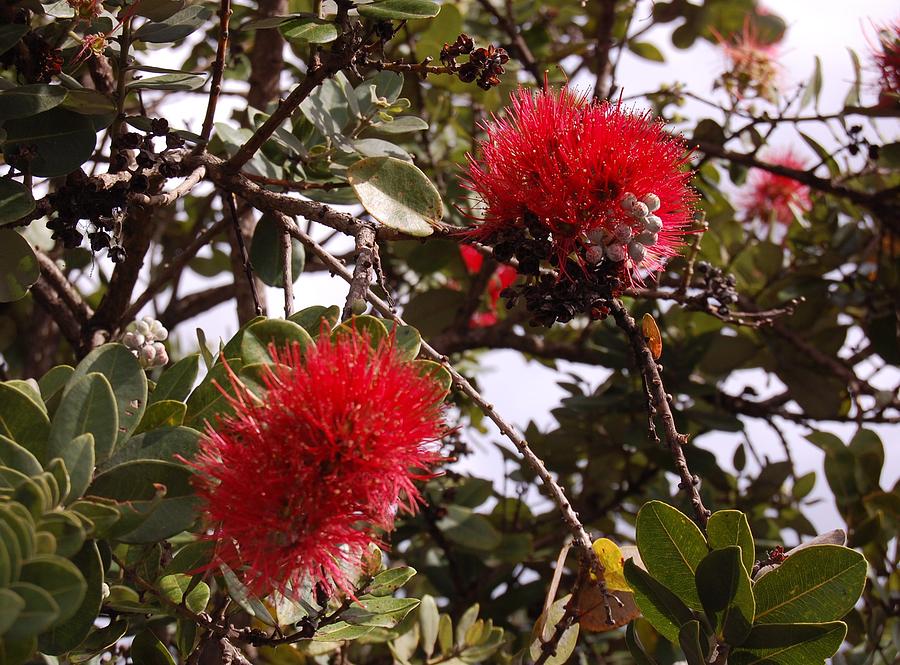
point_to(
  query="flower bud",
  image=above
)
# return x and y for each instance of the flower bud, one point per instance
(616, 253)
(158, 330)
(653, 223)
(623, 233)
(596, 237)
(143, 328)
(594, 254)
(637, 252)
(651, 201)
(639, 210)
(647, 238)
(147, 355)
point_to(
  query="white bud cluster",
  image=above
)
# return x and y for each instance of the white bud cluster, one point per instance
(625, 241)
(145, 339)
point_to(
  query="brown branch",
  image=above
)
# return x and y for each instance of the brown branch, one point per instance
(167, 198)
(362, 270)
(64, 288)
(266, 57)
(215, 87)
(49, 300)
(287, 278)
(660, 403)
(603, 47)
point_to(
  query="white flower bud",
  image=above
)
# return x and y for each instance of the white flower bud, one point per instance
(147, 355)
(162, 358)
(616, 253)
(653, 223)
(158, 330)
(133, 340)
(623, 233)
(628, 201)
(639, 210)
(143, 328)
(637, 252)
(652, 202)
(647, 238)
(594, 254)
(104, 591)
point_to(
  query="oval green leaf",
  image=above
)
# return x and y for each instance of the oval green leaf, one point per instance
(266, 253)
(16, 201)
(730, 527)
(724, 588)
(18, 266)
(28, 100)
(399, 9)
(790, 644)
(88, 405)
(59, 139)
(397, 194)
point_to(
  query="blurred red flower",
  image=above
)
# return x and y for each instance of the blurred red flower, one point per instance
(503, 277)
(294, 485)
(770, 197)
(602, 182)
(887, 58)
(753, 64)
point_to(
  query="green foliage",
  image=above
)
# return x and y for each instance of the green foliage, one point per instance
(785, 613)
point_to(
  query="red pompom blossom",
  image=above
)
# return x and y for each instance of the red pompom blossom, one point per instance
(887, 58)
(603, 184)
(294, 485)
(753, 64)
(503, 277)
(770, 197)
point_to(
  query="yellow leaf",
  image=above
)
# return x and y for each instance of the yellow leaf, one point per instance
(652, 335)
(610, 557)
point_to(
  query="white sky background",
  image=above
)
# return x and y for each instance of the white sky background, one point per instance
(524, 391)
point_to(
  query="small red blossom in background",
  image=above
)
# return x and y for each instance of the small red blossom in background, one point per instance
(603, 183)
(753, 68)
(294, 485)
(770, 197)
(887, 59)
(503, 277)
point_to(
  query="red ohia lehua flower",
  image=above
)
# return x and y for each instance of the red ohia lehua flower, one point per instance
(295, 484)
(753, 69)
(503, 277)
(602, 183)
(770, 197)
(887, 59)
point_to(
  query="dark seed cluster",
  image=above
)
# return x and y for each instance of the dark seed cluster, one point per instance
(718, 285)
(485, 65)
(859, 142)
(581, 288)
(84, 198)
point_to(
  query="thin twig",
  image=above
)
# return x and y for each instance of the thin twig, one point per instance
(231, 202)
(63, 287)
(218, 69)
(675, 440)
(167, 198)
(287, 277)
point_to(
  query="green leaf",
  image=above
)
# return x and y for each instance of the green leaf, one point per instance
(88, 406)
(128, 381)
(60, 578)
(824, 154)
(437, 372)
(62, 141)
(167, 413)
(17, 457)
(67, 530)
(407, 339)
(79, 457)
(177, 589)
(428, 624)
(89, 102)
(266, 252)
(665, 611)
(387, 582)
(813, 87)
(10, 34)
(146, 649)
(66, 636)
(635, 648)
(161, 444)
(27, 100)
(469, 529)
(101, 515)
(646, 50)
(371, 327)
(177, 381)
(723, 584)
(383, 612)
(11, 605)
(22, 420)
(790, 644)
(101, 639)
(399, 9)
(380, 148)
(174, 28)
(814, 584)
(311, 318)
(242, 596)
(691, 640)
(547, 625)
(671, 547)
(18, 266)
(400, 125)
(16, 201)
(279, 332)
(340, 631)
(39, 613)
(52, 385)
(730, 527)
(397, 194)
(172, 82)
(208, 401)
(309, 30)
